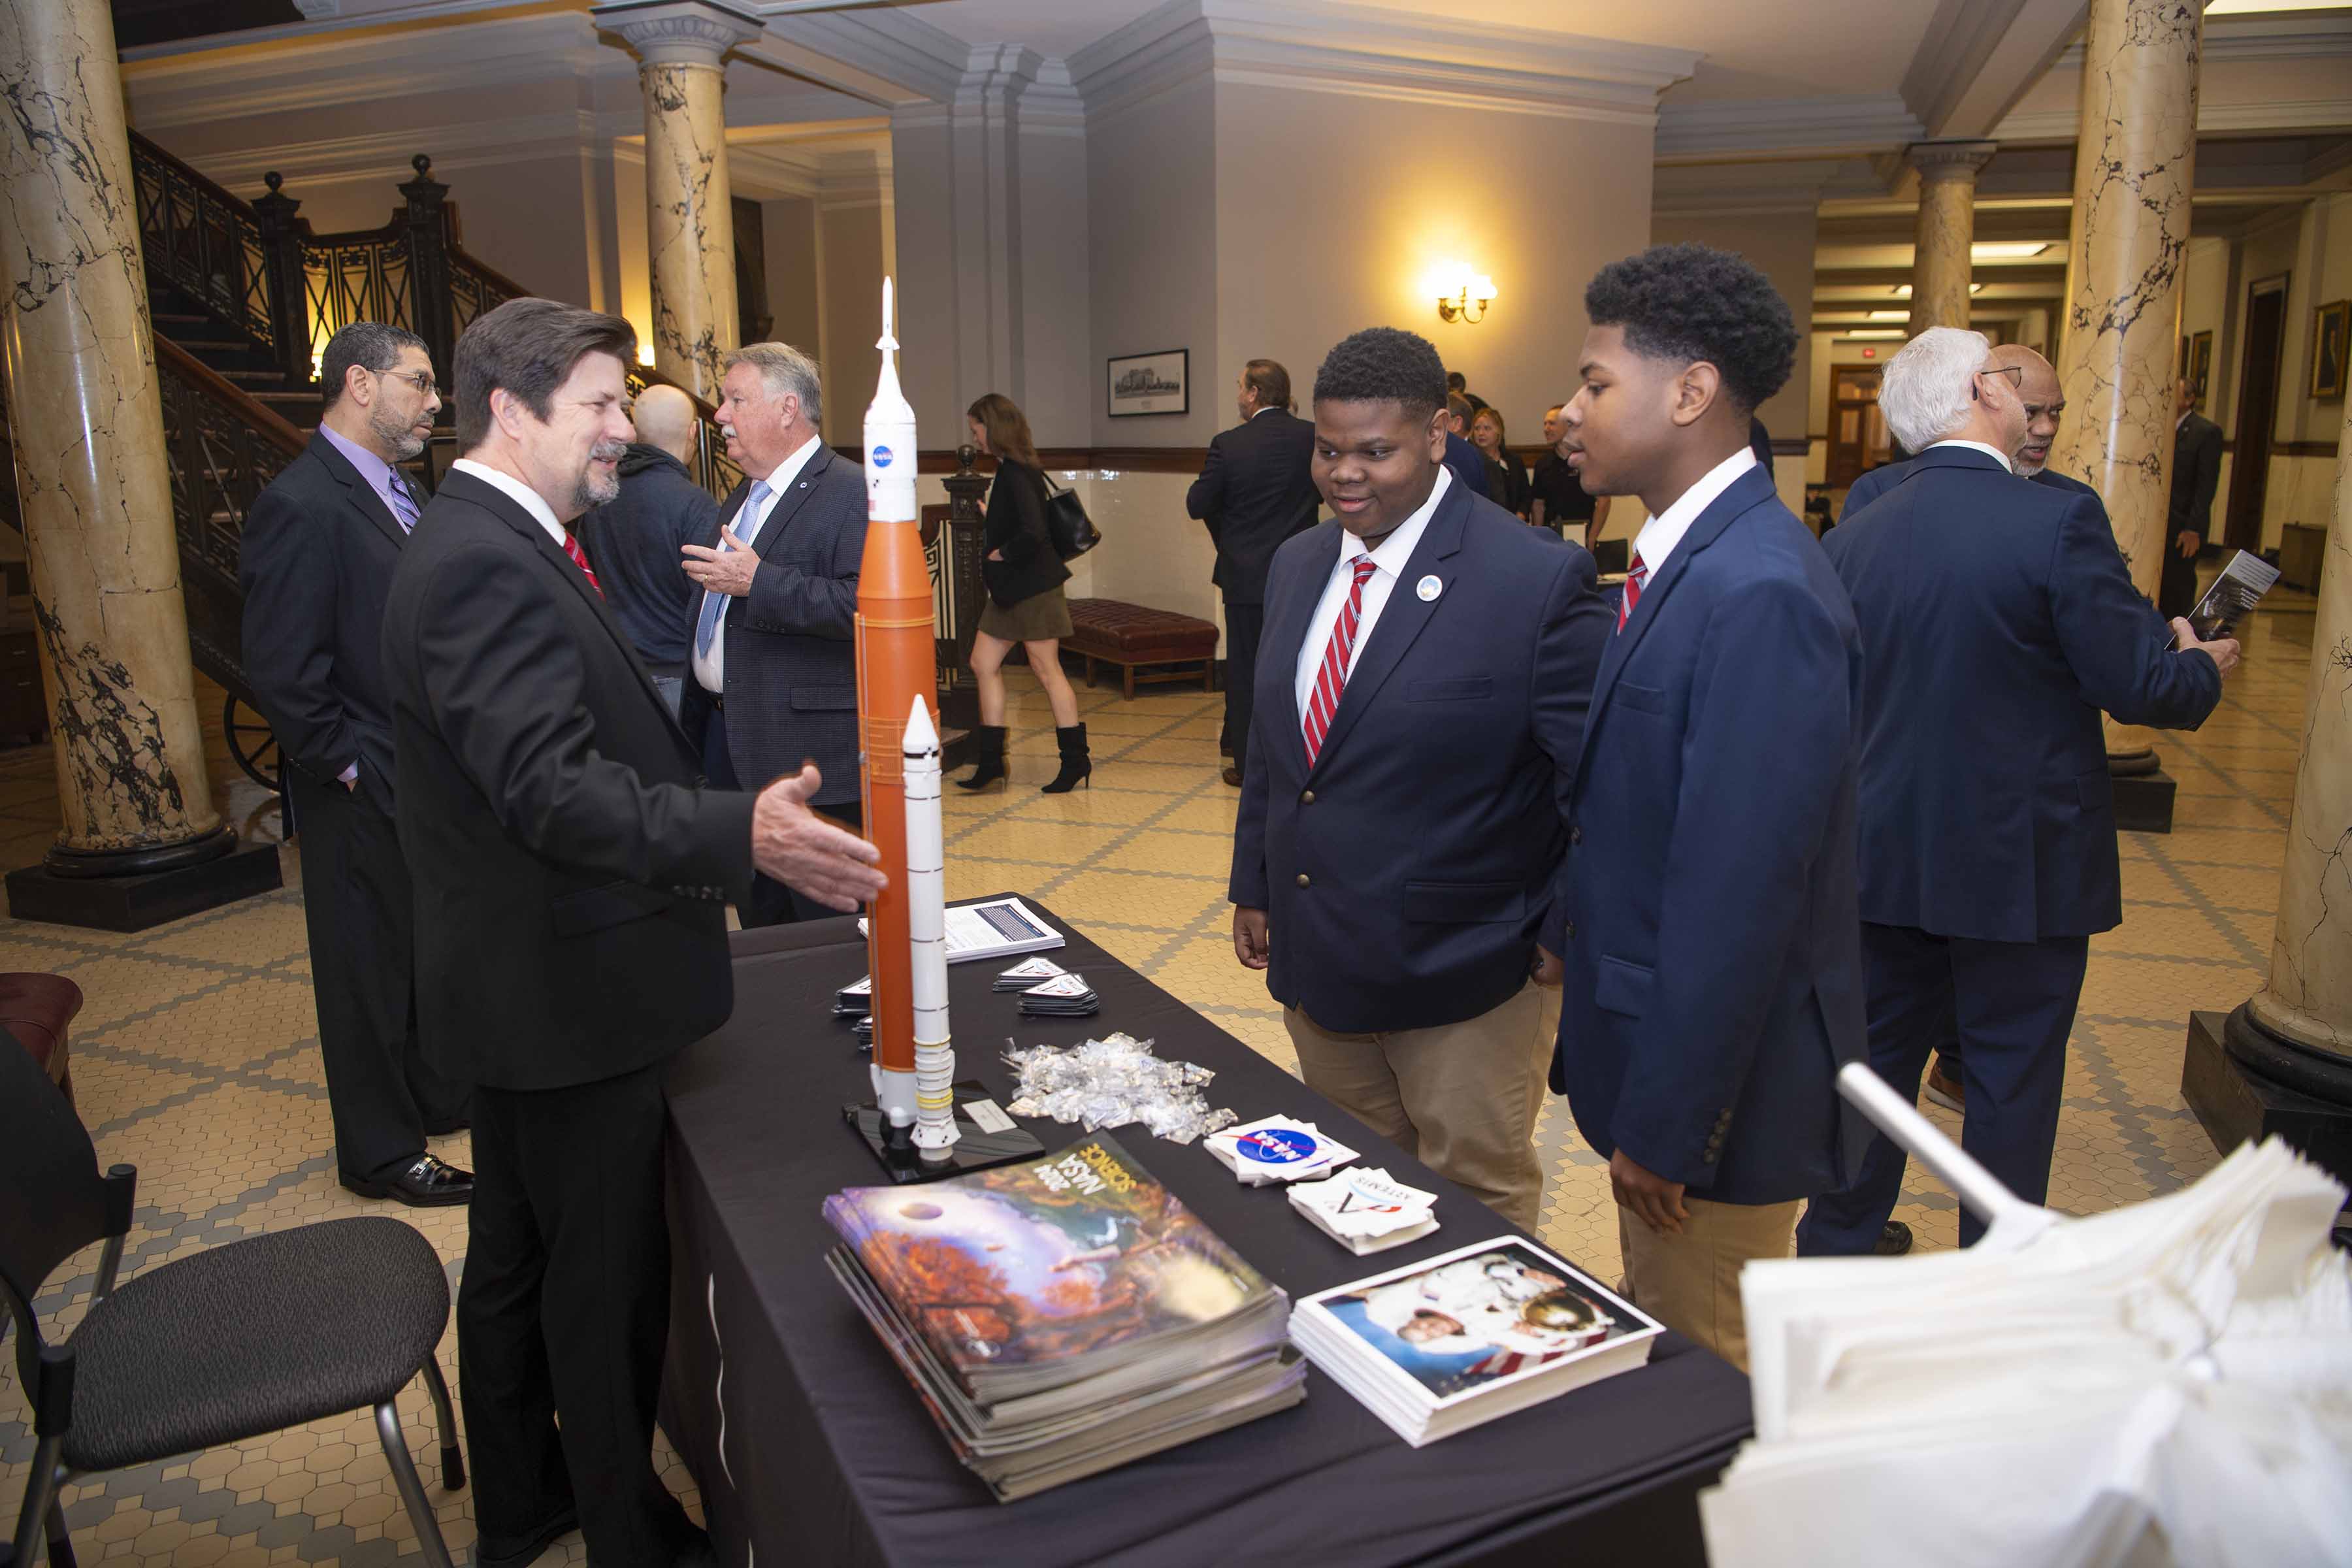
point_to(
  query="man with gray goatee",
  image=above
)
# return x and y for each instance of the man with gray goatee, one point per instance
(1998, 621)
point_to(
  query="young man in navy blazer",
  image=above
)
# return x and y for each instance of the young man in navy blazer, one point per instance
(1706, 918)
(1421, 698)
(2001, 621)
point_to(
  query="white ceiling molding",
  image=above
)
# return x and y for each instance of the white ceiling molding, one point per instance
(1321, 46)
(2299, 36)
(1729, 130)
(2212, 119)
(893, 45)
(1978, 57)
(1744, 190)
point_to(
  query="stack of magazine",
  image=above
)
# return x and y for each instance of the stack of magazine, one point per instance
(1437, 1347)
(1064, 1317)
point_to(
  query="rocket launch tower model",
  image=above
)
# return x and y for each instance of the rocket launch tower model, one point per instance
(911, 1124)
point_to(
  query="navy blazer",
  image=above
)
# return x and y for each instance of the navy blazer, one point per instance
(1405, 875)
(792, 665)
(1257, 489)
(1887, 476)
(316, 559)
(1706, 918)
(1999, 621)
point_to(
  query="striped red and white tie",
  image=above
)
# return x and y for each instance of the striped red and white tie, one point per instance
(580, 559)
(1333, 677)
(1633, 595)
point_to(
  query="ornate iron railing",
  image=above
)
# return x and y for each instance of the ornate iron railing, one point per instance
(223, 449)
(204, 241)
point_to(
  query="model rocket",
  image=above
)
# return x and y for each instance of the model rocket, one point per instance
(897, 674)
(927, 921)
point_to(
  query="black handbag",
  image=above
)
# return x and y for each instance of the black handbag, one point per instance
(1068, 529)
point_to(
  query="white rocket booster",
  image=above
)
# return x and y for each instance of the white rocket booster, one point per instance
(927, 898)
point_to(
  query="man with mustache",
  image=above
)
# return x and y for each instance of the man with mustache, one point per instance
(571, 880)
(319, 551)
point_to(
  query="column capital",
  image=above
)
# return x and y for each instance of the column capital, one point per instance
(1950, 160)
(678, 32)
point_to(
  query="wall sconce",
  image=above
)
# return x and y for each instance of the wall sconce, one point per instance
(1464, 296)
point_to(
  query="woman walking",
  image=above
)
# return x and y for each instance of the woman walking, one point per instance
(1025, 602)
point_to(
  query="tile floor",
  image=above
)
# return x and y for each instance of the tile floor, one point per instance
(196, 1058)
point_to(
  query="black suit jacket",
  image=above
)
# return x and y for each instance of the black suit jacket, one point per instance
(317, 560)
(1405, 875)
(1013, 526)
(792, 657)
(2196, 475)
(636, 542)
(1997, 620)
(570, 875)
(1877, 481)
(1257, 489)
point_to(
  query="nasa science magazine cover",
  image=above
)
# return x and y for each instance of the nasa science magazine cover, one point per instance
(1031, 1275)
(1440, 1344)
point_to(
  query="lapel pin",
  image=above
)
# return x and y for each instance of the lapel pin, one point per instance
(1429, 587)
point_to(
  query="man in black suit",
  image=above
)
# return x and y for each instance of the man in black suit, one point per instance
(320, 547)
(1462, 459)
(1429, 659)
(1257, 489)
(1565, 503)
(2196, 475)
(571, 885)
(773, 665)
(2001, 622)
(638, 541)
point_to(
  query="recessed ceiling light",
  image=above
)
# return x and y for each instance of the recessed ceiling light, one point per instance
(1903, 290)
(1872, 332)
(1890, 315)
(2006, 250)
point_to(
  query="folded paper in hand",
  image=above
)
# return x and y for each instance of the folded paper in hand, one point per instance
(2238, 589)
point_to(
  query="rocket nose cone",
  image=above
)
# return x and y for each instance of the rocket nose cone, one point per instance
(920, 735)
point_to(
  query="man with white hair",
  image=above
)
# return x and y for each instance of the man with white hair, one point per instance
(637, 541)
(773, 666)
(1998, 621)
(2045, 402)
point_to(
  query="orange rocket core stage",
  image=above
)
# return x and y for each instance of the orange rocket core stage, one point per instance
(895, 664)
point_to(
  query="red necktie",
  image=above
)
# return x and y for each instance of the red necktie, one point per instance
(580, 559)
(1633, 596)
(1332, 679)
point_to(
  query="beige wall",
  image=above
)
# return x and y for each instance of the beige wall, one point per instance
(1341, 229)
(850, 253)
(788, 230)
(1152, 211)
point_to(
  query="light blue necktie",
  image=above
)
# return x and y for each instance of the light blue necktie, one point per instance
(404, 505)
(714, 604)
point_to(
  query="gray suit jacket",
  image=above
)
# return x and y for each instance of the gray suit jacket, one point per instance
(792, 665)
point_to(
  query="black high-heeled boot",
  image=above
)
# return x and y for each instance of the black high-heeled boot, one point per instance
(1076, 765)
(989, 756)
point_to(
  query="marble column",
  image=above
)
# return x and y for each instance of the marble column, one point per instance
(2309, 998)
(88, 424)
(1947, 227)
(690, 224)
(2134, 166)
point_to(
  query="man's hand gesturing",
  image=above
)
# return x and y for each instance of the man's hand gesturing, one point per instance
(794, 846)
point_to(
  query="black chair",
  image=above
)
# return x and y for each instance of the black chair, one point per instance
(244, 1339)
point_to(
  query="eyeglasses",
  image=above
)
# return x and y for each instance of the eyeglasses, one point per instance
(2016, 373)
(420, 379)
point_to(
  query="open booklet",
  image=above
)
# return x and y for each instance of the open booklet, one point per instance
(2239, 588)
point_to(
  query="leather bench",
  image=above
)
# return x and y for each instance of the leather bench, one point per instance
(1147, 646)
(39, 1009)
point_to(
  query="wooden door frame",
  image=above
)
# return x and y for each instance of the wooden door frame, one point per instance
(2241, 508)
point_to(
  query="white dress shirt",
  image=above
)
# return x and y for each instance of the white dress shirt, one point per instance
(1388, 561)
(1661, 533)
(1995, 453)
(524, 496)
(710, 668)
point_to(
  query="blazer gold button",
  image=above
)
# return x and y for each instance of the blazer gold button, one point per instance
(1307, 798)
(1302, 878)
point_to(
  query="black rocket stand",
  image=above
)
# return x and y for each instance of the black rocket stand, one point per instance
(975, 1148)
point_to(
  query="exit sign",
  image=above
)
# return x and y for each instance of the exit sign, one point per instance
(1869, 353)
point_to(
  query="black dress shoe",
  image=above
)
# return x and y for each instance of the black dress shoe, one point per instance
(1233, 777)
(424, 1182)
(490, 1552)
(1895, 1240)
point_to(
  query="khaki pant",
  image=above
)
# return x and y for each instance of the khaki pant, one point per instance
(1462, 1098)
(1690, 1281)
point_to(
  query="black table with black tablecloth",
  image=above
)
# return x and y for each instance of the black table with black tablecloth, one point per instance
(811, 1448)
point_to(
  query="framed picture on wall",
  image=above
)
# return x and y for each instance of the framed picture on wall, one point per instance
(2200, 366)
(1150, 384)
(2331, 325)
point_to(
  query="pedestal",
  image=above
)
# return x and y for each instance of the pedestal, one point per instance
(2235, 1100)
(137, 902)
(973, 1150)
(2144, 801)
